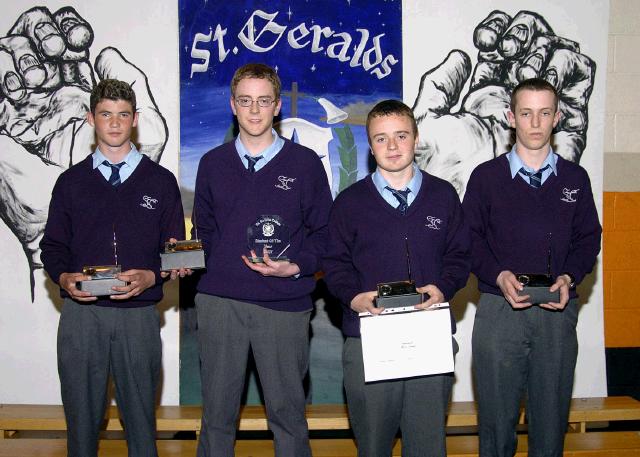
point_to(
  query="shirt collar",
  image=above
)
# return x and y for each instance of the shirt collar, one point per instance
(516, 163)
(414, 184)
(267, 154)
(132, 157)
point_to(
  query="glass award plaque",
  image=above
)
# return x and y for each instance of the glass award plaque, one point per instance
(270, 233)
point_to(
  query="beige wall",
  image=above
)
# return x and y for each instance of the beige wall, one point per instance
(622, 123)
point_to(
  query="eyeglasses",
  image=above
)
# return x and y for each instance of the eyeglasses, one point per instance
(263, 102)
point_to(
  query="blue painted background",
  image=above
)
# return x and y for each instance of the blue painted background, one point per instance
(206, 117)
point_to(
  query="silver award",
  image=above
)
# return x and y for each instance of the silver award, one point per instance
(182, 254)
(270, 233)
(103, 277)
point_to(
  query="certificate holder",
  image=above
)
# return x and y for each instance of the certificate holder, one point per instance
(404, 344)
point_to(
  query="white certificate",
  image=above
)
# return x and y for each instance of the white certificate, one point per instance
(406, 344)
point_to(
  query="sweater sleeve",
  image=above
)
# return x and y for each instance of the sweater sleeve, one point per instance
(315, 205)
(56, 242)
(172, 221)
(202, 213)
(484, 263)
(586, 235)
(340, 274)
(456, 261)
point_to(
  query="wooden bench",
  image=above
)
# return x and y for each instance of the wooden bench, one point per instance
(319, 417)
(595, 444)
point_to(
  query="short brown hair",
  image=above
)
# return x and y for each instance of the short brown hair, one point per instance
(389, 108)
(256, 70)
(112, 89)
(535, 84)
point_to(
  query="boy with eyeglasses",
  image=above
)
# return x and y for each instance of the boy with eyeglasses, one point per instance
(247, 298)
(530, 211)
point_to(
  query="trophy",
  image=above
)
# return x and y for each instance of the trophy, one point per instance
(537, 285)
(399, 293)
(268, 233)
(183, 254)
(103, 277)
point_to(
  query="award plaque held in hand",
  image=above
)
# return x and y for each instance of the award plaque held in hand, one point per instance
(103, 277)
(182, 254)
(270, 233)
(400, 294)
(537, 286)
(185, 253)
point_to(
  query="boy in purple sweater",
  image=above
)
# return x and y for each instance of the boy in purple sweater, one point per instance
(530, 211)
(244, 304)
(114, 195)
(373, 225)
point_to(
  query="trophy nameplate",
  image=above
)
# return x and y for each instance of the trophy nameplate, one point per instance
(103, 279)
(270, 233)
(182, 254)
(398, 294)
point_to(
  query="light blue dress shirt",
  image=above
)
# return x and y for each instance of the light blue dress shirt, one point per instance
(268, 154)
(515, 163)
(414, 185)
(131, 161)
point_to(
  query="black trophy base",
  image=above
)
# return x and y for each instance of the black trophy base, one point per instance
(397, 301)
(537, 287)
(182, 259)
(101, 287)
(261, 259)
(540, 294)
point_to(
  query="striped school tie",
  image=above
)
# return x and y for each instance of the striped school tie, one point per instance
(402, 196)
(114, 179)
(535, 179)
(252, 162)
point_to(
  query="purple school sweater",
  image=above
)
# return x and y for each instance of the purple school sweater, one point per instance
(228, 199)
(513, 226)
(145, 211)
(367, 243)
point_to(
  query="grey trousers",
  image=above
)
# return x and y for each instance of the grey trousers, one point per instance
(528, 352)
(94, 341)
(417, 406)
(280, 344)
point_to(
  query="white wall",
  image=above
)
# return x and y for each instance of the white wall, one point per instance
(431, 29)
(622, 136)
(146, 34)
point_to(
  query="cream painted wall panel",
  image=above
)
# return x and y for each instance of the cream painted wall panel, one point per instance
(611, 52)
(627, 138)
(621, 172)
(623, 96)
(624, 17)
(627, 54)
(609, 132)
